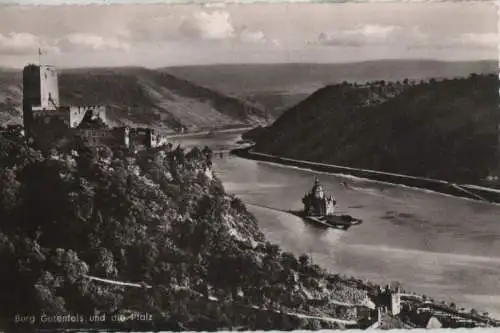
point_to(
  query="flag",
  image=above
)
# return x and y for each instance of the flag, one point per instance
(39, 52)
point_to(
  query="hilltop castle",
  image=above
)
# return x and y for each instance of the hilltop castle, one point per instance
(317, 203)
(47, 122)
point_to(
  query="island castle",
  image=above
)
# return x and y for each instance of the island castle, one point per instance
(317, 203)
(46, 122)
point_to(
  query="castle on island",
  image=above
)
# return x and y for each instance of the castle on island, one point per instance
(317, 203)
(48, 123)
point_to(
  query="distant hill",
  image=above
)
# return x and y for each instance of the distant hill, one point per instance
(10, 96)
(275, 102)
(138, 96)
(304, 77)
(439, 129)
(280, 86)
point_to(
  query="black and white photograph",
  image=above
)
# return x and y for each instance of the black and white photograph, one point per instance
(225, 166)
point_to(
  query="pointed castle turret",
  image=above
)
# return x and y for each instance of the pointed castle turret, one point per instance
(317, 202)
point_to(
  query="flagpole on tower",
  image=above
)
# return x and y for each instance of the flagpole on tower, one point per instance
(39, 56)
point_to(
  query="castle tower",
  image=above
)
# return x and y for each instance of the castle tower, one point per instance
(396, 302)
(40, 91)
(318, 189)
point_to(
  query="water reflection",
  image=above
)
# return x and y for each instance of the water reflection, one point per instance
(434, 244)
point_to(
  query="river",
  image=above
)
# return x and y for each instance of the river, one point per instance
(445, 247)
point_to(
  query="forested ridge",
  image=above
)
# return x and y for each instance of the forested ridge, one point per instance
(444, 129)
(159, 217)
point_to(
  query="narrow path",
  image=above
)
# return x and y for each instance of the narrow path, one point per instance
(119, 283)
(460, 188)
(435, 185)
(300, 315)
(215, 299)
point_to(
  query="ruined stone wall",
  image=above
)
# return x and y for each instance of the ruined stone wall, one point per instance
(330, 207)
(77, 113)
(45, 116)
(50, 128)
(142, 137)
(95, 137)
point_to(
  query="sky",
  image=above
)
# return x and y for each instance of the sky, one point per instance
(160, 35)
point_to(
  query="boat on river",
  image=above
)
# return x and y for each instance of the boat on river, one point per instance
(319, 209)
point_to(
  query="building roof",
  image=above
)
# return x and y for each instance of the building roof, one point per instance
(317, 185)
(90, 121)
(433, 323)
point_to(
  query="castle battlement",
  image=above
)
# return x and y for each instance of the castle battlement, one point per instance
(46, 121)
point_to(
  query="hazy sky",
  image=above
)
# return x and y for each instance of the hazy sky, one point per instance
(165, 35)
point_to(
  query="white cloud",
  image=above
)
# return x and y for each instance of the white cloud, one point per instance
(92, 42)
(486, 39)
(360, 35)
(373, 31)
(218, 25)
(464, 41)
(410, 38)
(26, 43)
(210, 25)
(17, 43)
(372, 34)
(247, 35)
(214, 4)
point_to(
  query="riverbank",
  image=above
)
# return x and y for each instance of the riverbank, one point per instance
(207, 132)
(299, 239)
(459, 190)
(422, 251)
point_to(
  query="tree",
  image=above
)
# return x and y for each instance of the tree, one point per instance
(179, 155)
(304, 261)
(208, 153)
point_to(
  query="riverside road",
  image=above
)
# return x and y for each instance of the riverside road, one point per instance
(445, 247)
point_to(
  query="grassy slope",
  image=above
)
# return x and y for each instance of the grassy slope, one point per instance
(139, 96)
(445, 129)
(10, 97)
